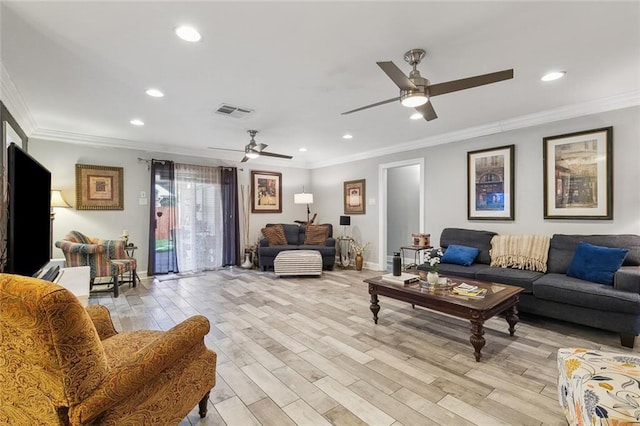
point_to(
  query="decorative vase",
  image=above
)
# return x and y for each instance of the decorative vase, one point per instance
(432, 277)
(248, 263)
(359, 260)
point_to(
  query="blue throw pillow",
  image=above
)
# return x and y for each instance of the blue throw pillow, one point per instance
(460, 255)
(596, 263)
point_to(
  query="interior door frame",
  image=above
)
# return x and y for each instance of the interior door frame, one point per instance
(382, 196)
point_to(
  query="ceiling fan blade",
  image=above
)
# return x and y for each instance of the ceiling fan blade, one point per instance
(244, 159)
(271, 154)
(468, 83)
(395, 74)
(397, 98)
(427, 111)
(260, 147)
(225, 149)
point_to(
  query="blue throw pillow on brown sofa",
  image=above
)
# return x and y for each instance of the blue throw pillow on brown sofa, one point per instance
(597, 264)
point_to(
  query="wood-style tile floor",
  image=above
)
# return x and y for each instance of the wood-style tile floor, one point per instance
(305, 351)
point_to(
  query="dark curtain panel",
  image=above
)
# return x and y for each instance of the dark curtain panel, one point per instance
(231, 221)
(162, 258)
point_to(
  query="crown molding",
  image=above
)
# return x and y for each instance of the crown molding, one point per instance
(611, 103)
(18, 108)
(14, 102)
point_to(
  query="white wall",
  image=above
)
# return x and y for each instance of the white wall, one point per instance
(446, 182)
(60, 158)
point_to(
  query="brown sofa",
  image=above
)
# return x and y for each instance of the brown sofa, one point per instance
(62, 364)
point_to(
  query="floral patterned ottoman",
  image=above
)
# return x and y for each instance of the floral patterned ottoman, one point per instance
(599, 388)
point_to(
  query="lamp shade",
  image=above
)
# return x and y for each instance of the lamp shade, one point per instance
(345, 220)
(303, 198)
(57, 200)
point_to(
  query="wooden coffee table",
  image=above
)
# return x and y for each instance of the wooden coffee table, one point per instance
(499, 298)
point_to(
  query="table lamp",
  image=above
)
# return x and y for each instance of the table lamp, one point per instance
(344, 222)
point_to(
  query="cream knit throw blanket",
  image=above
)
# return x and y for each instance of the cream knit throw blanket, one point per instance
(520, 251)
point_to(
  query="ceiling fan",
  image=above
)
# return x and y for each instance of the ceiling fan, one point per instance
(254, 150)
(415, 91)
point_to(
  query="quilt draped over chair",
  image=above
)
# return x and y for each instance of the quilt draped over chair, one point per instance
(63, 364)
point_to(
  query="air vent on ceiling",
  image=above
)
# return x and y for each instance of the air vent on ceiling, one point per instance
(233, 111)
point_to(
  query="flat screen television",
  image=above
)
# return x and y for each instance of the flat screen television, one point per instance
(29, 219)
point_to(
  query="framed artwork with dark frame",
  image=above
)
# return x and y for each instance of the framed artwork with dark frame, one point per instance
(266, 192)
(490, 184)
(355, 197)
(578, 175)
(99, 187)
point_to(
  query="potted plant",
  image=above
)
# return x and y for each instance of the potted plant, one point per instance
(359, 251)
(432, 258)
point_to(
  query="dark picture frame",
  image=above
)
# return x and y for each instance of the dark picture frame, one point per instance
(491, 183)
(266, 192)
(99, 187)
(578, 175)
(355, 197)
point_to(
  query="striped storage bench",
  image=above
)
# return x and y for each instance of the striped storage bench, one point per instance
(298, 262)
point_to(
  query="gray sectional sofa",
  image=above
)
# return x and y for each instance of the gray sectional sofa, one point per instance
(296, 235)
(554, 294)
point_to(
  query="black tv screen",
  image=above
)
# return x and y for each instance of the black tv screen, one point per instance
(29, 220)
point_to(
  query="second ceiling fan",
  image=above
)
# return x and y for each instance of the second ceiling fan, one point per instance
(254, 149)
(415, 90)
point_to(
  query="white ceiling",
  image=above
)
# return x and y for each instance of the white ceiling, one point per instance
(77, 71)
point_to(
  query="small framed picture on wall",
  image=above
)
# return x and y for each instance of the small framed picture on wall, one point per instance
(490, 184)
(355, 197)
(266, 192)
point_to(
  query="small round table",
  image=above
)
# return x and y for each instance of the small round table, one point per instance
(416, 251)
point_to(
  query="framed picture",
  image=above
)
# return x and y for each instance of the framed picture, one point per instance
(490, 184)
(99, 187)
(578, 170)
(266, 192)
(355, 197)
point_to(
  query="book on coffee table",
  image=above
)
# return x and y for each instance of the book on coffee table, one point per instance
(403, 279)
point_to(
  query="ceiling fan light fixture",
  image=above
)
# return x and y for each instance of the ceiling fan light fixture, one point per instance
(252, 154)
(412, 100)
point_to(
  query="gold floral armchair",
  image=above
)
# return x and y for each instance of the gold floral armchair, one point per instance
(63, 364)
(106, 258)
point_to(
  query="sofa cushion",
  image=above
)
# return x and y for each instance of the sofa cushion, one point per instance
(469, 238)
(460, 255)
(275, 235)
(574, 291)
(519, 277)
(596, 263)
(316, 235)
(324, 250)
(272, 251)
(451, 269)
(563, 247)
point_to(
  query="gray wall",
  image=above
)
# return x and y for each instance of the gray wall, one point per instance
(445, 185)
(60, 158)
(446, 182)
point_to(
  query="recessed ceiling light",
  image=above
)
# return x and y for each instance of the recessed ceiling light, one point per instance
(347, 136)
(137, 122)
(188, 33)
(554, 75)
(416, 116)
(154, 93)
(303, 150)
